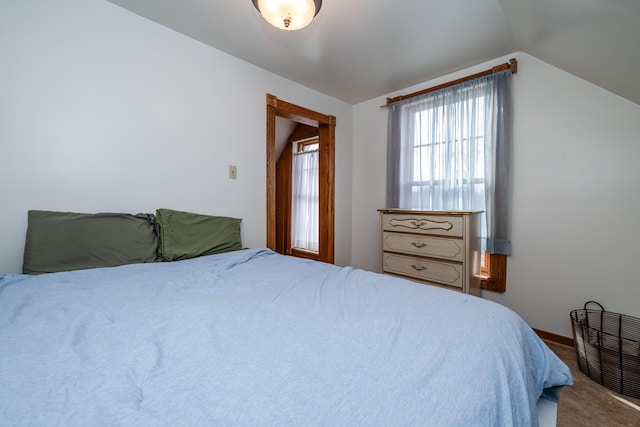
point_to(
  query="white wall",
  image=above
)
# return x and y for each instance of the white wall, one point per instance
(575, 201)
(102, 110)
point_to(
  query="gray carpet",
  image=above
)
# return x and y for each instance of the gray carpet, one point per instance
(587, 403)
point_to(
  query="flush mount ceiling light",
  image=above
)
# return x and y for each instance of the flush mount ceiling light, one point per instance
(288, 14)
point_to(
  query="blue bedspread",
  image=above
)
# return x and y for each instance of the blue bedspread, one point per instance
(256, 338)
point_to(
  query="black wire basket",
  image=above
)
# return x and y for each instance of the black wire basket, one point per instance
(608, 348)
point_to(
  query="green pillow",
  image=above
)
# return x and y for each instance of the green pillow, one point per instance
(64, 241)
(186, 235)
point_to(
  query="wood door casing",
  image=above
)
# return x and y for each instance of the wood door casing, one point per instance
(326, 135)
(283, 200)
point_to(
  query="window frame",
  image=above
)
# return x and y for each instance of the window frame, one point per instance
(494, 268)
(301, 147)
(494, 274)
(303, 144)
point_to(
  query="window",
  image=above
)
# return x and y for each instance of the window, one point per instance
(305, 197)
(450, 150)
(447, 162)
(310, 145)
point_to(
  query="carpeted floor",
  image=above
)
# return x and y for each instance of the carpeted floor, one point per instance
(587, 403)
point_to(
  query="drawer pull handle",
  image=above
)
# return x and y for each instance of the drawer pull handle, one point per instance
(420, 224)
(418, 269)
(421, 245)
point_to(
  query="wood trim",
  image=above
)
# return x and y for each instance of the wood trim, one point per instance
(556, 339)
(511, 65)
(271, 173)
(300, 253)
(284, 167)
(303, 132)
(301, 145)
(326, 155)
(326, 133)
(299, 114)
(497, 280)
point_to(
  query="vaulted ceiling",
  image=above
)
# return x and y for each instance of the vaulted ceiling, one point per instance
(356, 50)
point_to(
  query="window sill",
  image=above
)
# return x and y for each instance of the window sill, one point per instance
(302, 253)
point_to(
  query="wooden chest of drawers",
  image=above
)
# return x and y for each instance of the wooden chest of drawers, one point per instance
(432, 247)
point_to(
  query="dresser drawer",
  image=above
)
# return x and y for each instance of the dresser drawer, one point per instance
(441, 272)
(417, 244)
(424, 224)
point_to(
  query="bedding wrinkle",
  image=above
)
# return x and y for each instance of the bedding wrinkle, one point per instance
(9, 281)
(78, 338)
(19, 309)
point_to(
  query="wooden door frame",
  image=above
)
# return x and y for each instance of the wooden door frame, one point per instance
(326, 133)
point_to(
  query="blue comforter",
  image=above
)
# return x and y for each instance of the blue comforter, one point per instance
(256, 338)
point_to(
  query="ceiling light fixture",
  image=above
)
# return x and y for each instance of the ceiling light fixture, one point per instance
(288, 14)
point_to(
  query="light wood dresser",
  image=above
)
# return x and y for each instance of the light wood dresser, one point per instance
(432, 247)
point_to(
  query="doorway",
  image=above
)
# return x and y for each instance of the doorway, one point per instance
(325, 125)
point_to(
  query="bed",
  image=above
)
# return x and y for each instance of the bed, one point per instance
(251, 337)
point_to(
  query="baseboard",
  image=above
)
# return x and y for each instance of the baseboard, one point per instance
(556, 339)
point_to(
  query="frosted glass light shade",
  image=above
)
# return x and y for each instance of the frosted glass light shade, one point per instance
(288, 14)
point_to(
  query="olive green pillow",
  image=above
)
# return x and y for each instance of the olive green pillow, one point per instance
(64, 241)
(186, 235)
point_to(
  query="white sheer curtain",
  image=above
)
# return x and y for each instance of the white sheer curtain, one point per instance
(451, 150)
(304, 201)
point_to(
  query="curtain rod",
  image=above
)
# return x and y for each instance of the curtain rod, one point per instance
(511, 65)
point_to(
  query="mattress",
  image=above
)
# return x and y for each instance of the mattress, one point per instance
(257, 338)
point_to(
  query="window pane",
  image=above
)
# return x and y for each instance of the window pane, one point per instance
(447, 155)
